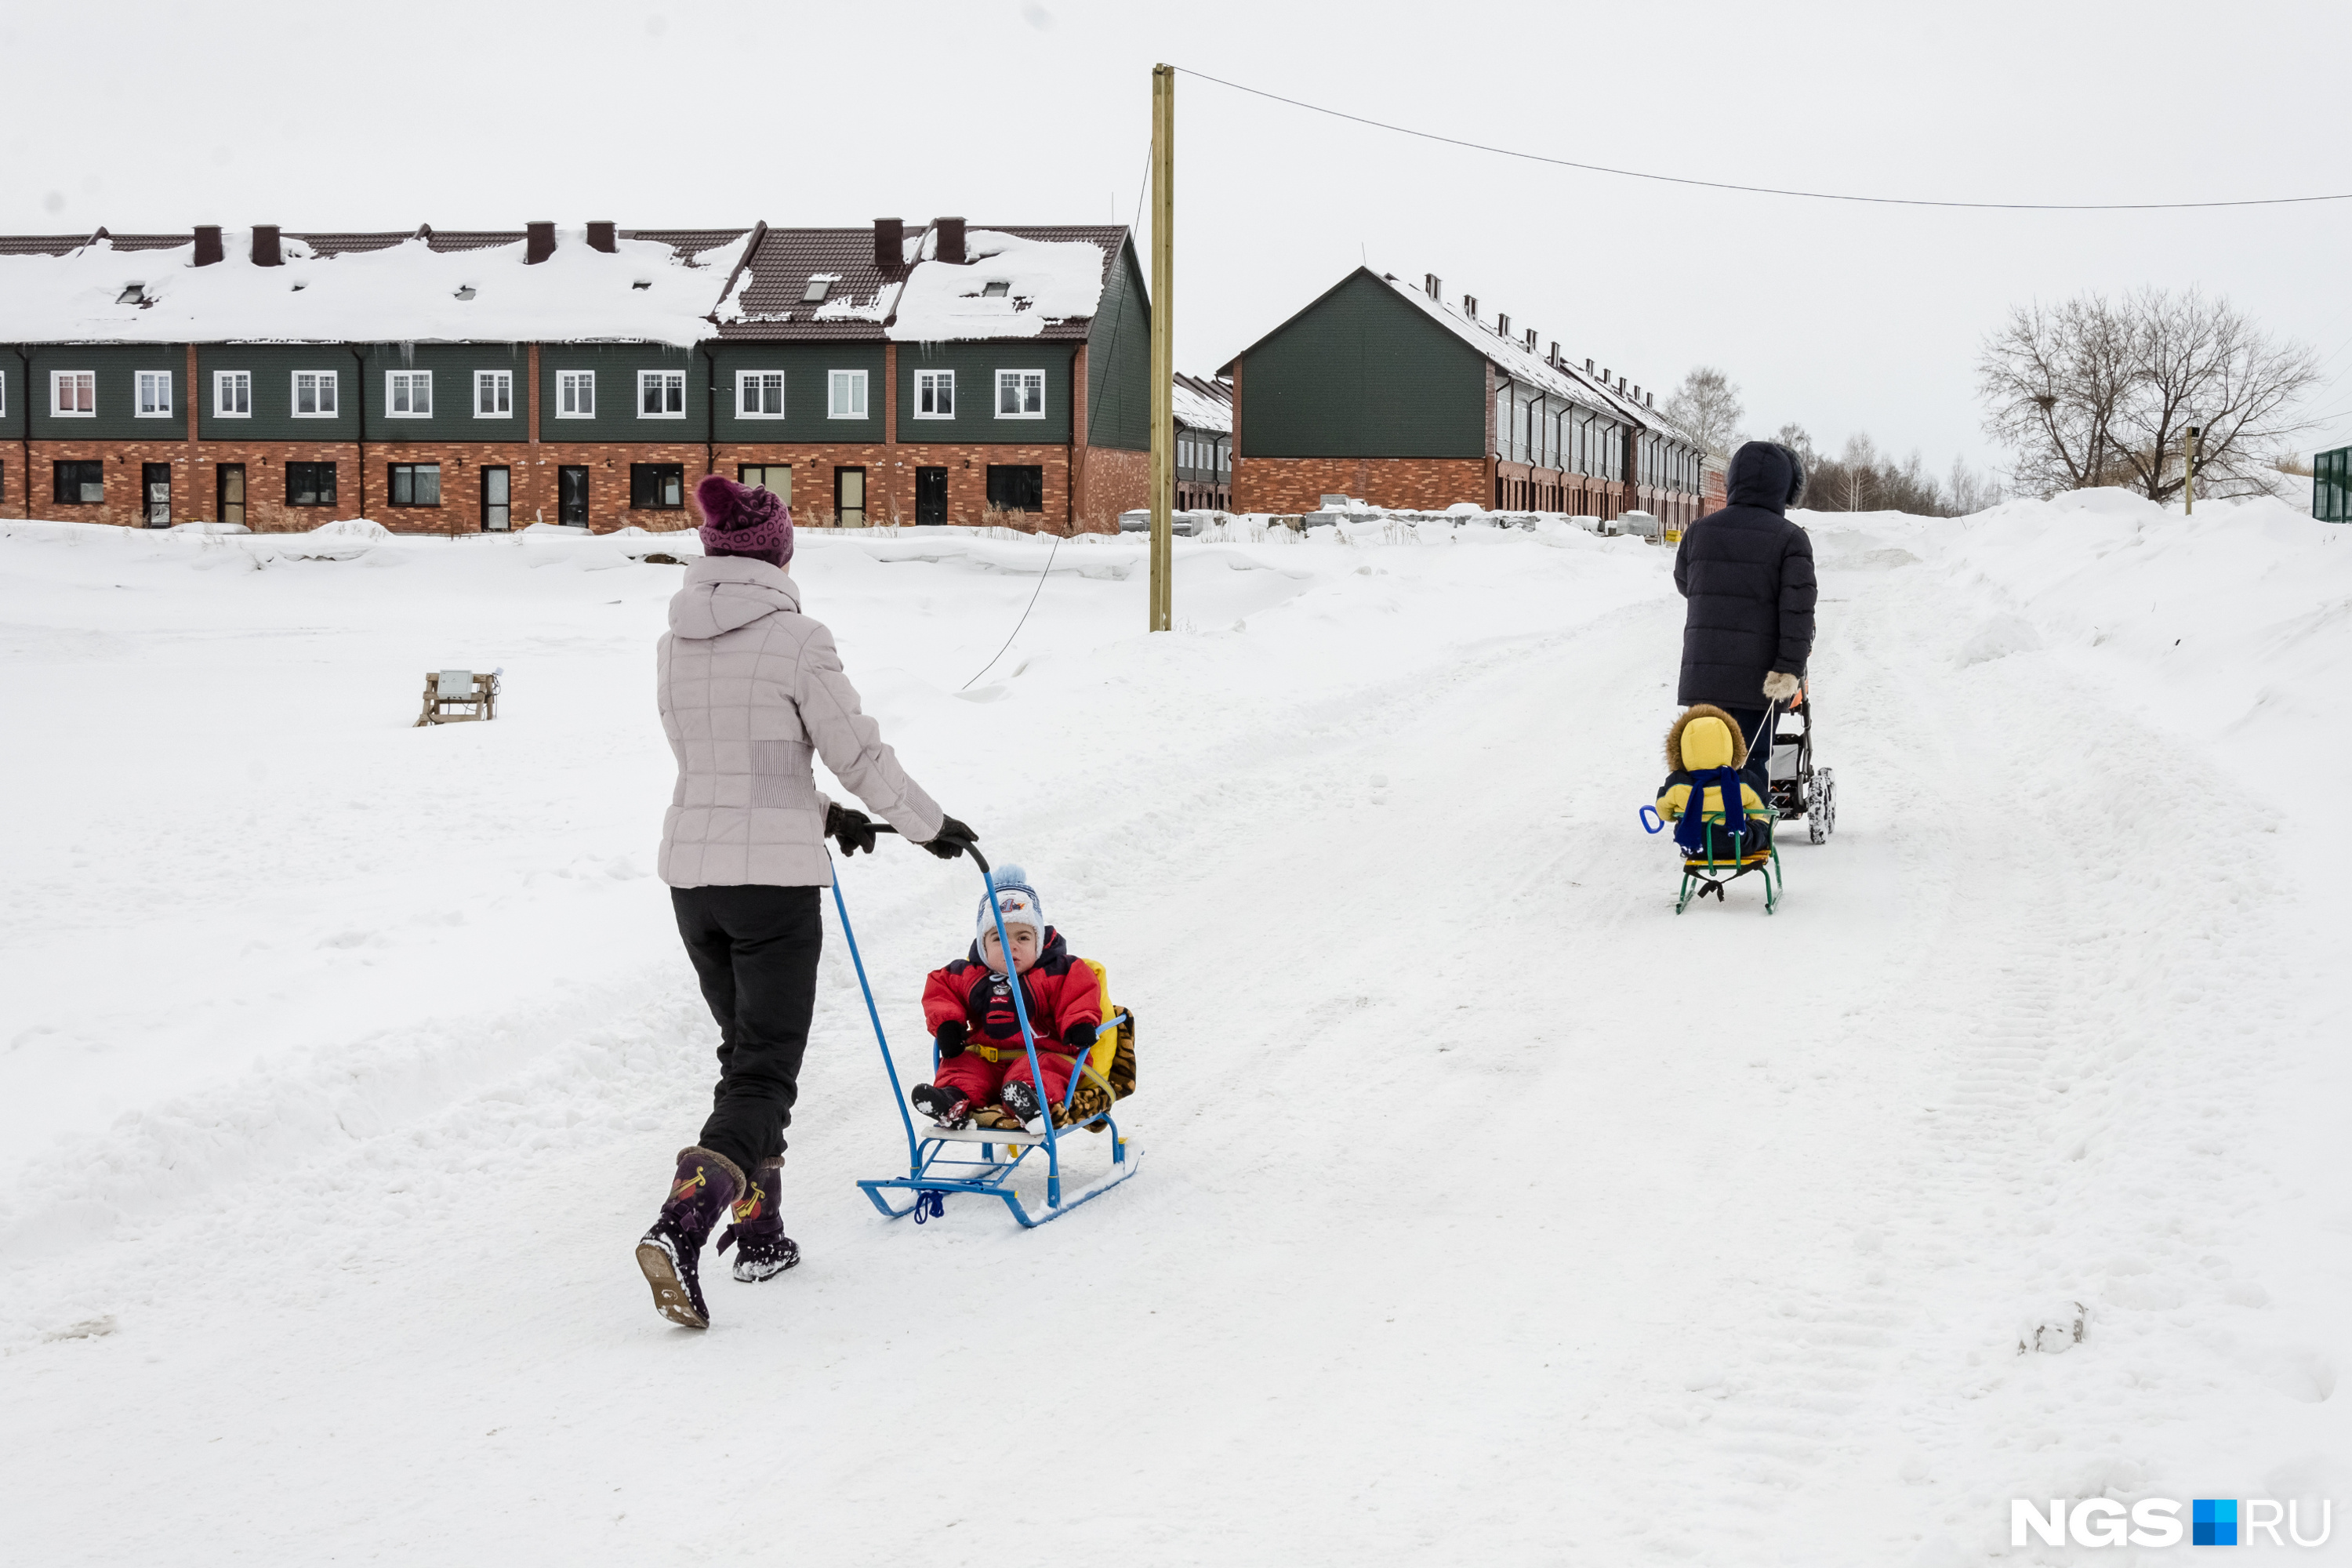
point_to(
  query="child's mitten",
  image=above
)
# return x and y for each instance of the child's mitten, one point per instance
(952, 1037)
(1079, 1036)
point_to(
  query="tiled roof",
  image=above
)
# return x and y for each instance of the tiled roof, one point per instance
(689, 243)
(788, 258)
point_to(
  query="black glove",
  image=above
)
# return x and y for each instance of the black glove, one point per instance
(950, 1038)
(852, 830)
(1079, 1036)
(953, 839)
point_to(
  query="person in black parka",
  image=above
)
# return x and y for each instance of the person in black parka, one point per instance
(1747, 572)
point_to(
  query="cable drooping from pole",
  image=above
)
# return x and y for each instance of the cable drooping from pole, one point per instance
(1768, 190)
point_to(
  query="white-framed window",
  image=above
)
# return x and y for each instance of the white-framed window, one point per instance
(233, 395)
(1021, 395)
(314, 395)
(846, 395)
(494, 394)
(408, 394)
(73, 394)
(155, 394)
(934, 395)
(575, 395)
(661, 395)
(759, 394)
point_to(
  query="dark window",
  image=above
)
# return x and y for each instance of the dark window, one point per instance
(1017, 487)
(930, 496)
(416, 484)
(572, 496)
(309, 484)
(656, 486)
(81, 484)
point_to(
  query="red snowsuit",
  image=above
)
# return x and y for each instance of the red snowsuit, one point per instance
(1060, 991)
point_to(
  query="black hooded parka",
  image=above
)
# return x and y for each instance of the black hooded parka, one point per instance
(1747, 572)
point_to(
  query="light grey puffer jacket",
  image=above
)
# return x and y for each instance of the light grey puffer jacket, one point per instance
(749, 687)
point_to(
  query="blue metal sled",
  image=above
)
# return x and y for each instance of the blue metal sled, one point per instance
(940, 1161)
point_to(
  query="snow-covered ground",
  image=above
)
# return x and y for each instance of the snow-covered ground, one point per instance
(1490, 1214)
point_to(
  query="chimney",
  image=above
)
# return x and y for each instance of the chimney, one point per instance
(1588, 367)
(1470, 306)
(890, 243)
(208, 244)
(951, 240)
(538, 242)
(1428, 280)
(1554, 356)
(1531, 340)
(601, 237)
(1652, 400)
(265, 245)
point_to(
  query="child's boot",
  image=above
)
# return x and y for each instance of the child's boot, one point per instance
(1020, 1098)
(671, 1253)
(763, 1250)
(943, 1103)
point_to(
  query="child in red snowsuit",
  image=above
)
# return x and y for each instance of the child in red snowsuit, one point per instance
(968, 1008)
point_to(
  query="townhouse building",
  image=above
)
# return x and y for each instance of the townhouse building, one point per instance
(1396, 395)
(447, 381)
(1203, 410)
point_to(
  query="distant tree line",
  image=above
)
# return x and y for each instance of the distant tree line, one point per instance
(1859, 478)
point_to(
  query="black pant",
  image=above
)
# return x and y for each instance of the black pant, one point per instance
(1759, 768)
(754, 949)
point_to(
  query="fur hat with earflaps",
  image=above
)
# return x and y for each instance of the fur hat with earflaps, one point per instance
(1693, 714)
(743, 520)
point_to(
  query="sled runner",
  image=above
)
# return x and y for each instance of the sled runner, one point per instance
(1799, 790)
(981, 1160)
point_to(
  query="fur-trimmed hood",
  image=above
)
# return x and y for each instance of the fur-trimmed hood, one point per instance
(1697, 711)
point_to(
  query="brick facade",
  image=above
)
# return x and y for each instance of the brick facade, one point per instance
(1293, 485)
(1114, 480)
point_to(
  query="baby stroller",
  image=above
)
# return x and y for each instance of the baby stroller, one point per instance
(1799, 790)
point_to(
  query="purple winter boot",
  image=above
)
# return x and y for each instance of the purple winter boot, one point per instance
(671, 1253)
(763, 1250)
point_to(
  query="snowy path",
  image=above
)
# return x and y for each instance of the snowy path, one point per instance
(1489, 1213)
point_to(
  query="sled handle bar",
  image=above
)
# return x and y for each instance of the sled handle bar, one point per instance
(971, 849)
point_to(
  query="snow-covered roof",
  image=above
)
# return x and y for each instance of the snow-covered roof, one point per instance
(368, 289)
(1521, 364)
(1515, 360)
(1016, 281)
(1203, 405)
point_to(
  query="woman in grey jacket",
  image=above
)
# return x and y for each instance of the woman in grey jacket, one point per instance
(749, 689)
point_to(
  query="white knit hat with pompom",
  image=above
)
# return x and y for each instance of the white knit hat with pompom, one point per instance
(1012, 894)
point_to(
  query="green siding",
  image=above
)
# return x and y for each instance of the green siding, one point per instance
(616, 366)
(452, 366)
(1362, 373)
(975, 366)
(12, 396)
(117, 367)
(1119, 362)
(272, 367)
(806, 368)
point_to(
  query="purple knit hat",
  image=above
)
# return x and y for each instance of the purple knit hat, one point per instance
(744, 520)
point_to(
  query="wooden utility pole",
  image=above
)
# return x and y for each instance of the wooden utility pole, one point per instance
(1163, 343)
(2188, 478)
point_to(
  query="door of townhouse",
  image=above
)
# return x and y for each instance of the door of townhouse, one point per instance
(155, 492)
(497, 516)
(228, 492)
(850, 496)
(930, 496)
(572, 496)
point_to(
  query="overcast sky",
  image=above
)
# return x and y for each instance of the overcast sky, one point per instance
(143, 115)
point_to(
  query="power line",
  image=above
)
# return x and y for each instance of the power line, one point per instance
(1769, 190)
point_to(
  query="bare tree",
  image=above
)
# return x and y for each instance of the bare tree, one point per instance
(1707, 405)
(2095, 392)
